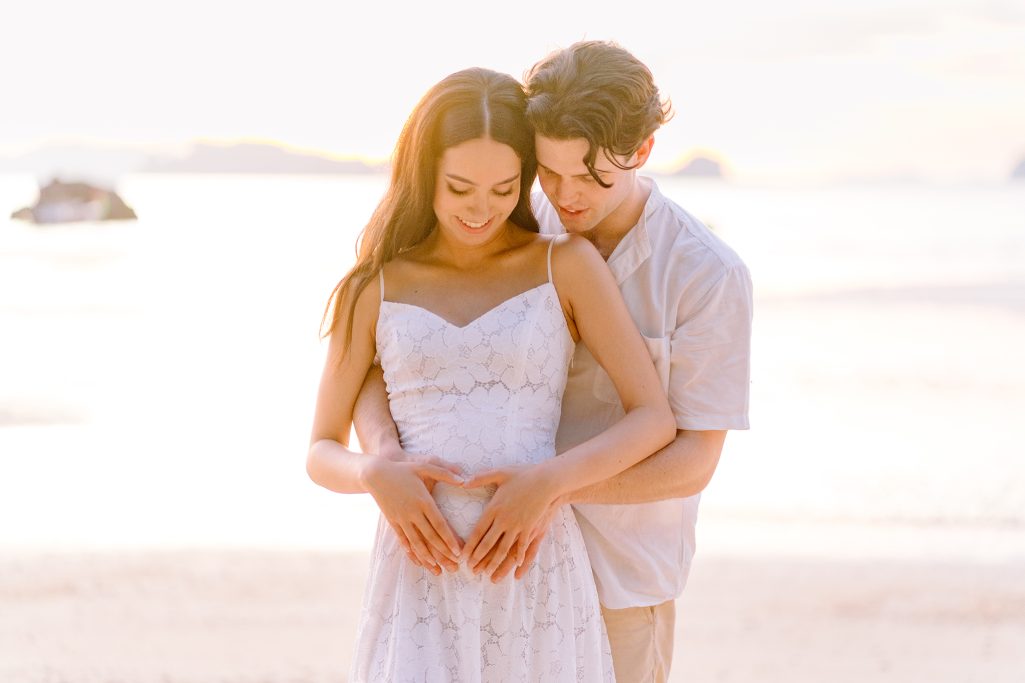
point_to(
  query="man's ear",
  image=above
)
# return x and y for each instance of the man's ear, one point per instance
(643, 152)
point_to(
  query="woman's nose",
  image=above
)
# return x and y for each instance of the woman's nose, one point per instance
(481, 207)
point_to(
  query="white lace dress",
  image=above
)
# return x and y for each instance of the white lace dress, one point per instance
(483, 396)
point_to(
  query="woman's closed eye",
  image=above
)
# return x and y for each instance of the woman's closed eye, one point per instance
(462, 193)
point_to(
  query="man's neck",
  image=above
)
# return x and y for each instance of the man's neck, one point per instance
(607, 235)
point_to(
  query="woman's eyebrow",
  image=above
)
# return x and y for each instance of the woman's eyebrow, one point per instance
(461, 179)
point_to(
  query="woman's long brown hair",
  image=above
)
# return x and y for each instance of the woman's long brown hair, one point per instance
(466, 105)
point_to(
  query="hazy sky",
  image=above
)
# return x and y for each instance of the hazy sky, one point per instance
(791, 89)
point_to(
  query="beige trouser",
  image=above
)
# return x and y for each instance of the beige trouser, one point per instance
(642, 641)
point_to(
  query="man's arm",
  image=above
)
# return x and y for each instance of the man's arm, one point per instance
(681, 469)
(371, 416)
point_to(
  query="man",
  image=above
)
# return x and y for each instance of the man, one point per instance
(595, 109)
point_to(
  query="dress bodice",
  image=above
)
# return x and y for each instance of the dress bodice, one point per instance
(484, 395)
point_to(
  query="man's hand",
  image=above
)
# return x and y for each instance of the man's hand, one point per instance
(402, 488)
(518, 513)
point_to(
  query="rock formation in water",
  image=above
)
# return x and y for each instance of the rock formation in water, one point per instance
(700, 167)
(61, 202)
(1019, 171)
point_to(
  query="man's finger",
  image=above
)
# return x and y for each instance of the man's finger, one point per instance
(528, 557)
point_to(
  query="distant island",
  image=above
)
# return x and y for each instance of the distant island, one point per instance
(61, 202)
(105, 164)
(1019, 171)
(256, 158)
(700, 167)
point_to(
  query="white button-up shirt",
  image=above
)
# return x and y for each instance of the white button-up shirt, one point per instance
(690, 296)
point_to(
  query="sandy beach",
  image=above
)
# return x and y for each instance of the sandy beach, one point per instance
(157, 524)
(217, 616)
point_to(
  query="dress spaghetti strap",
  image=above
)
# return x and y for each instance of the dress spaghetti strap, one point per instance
(551, 243)
(380, 278)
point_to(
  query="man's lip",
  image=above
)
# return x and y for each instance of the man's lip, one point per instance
(571, 211)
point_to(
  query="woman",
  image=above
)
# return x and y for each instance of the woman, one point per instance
(474, 316)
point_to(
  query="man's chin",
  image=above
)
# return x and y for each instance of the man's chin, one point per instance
(578, 227)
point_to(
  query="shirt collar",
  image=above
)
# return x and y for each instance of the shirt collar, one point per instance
(635, 247)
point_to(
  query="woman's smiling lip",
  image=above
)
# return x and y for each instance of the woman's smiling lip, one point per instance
(475, 226)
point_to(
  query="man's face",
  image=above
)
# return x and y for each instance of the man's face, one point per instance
(582, 203)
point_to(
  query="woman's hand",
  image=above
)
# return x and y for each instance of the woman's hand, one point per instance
(519, 512)
(523, 559)
(402, 488)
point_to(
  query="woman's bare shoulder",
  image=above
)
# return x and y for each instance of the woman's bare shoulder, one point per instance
(575, 254)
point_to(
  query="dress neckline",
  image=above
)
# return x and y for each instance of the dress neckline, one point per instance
(480, 317)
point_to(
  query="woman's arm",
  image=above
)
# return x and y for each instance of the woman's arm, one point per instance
(329, 462)
(400, 488)
(595, 305)
(377, 433)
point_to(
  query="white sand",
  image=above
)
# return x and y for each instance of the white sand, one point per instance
(266, 617)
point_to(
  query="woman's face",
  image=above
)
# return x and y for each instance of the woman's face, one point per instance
(477, 189)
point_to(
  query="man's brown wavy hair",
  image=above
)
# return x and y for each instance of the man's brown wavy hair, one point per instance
(597, 91)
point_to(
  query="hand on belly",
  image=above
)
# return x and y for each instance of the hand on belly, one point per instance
(461, 507)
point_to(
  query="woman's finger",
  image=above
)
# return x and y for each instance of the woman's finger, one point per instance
(486, 478)
(404, 543)
(521, 550)
(438, 546)
(528, 557)
(487, 558)
(481, 528)
(507, 564)
(421, 550)
(489, 541)
(441, 474)
(443, 530)
(452, 467)
(504, 546)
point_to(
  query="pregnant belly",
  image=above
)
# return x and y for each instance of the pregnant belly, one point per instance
(461, 507)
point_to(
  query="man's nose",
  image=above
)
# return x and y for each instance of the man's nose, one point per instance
(564, 193)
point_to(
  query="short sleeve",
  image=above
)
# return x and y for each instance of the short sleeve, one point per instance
(710, 355)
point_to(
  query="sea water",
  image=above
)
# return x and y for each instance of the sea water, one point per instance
(158, 377)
